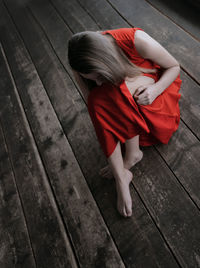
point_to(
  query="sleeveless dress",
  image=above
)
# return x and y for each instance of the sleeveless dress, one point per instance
(115, 114)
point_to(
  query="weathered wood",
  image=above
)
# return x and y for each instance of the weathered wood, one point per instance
(47, 26)
(175, 214)
(91, 239)
(164, 199)
(15, 245)
(170, 197)
(77, 19)
(189, 101)
(141, 14)
(180, 12)
(47, 234)
(182, 155)
(190, 109)
(76, 133)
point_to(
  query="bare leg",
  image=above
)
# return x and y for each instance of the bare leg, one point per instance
(123, 178)
(133, 155)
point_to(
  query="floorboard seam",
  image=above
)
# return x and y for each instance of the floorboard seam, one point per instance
(72, 80)
(57, 11)
(46, 173)
(153, 6)
(192, 200)
(190, 75)
(133, 183)
(92, 17)
(190, 129)
(184, 70)
(73, 150)
(71, 242)
(156, 226)
(21, 204)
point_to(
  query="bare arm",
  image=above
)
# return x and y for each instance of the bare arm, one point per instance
(83, 87)
(149, 48)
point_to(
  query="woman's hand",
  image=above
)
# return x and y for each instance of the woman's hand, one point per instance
(145, 95)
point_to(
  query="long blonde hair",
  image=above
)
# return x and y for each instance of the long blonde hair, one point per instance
(90, 51)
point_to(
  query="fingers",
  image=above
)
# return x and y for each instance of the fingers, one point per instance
(143, 100)
(139, 91)
(143, 95)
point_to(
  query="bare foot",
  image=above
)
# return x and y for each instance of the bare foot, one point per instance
(128, 163)
(124, 201)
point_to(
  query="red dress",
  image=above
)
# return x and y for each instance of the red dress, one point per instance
(117, 117)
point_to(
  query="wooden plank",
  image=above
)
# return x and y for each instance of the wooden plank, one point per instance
(191, 112)
(141, 14)
(189, 103)
(137, 252)
(190, 109)
(97, 191)
(182, 155)
(15, 245)
(91, 239)
(180, 12)
(47, 233)
(172, 237)
(77, 18)
(176, 215)
(75, 22)
(190, 187)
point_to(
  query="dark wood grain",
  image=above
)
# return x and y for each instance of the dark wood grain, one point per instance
(164, 228)
(190, 90)
(46, 24)
(74, 135)
(15, 245)
(175, 214)
(182, 155)
(169, 196)
(141, 14)
(47, 234)
(90, 237)
(189, 104)
(180, 12)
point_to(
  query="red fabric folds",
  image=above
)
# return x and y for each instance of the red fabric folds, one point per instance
(117, 117)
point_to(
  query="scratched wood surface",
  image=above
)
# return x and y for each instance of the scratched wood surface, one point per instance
(55, 210)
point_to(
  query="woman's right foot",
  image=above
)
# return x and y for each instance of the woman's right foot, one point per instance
(124, 201)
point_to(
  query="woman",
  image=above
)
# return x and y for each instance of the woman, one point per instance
(131, 86)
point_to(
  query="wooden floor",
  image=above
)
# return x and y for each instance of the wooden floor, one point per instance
(55, 210)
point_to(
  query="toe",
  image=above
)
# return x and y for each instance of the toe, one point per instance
(129, 211)
(124, 212)
(129, 214)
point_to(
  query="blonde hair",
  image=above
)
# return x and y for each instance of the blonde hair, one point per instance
(90, 51)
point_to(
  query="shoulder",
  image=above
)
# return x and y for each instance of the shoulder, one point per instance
(145, 44)
(122, 33)
(151, 49)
